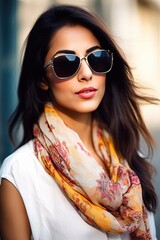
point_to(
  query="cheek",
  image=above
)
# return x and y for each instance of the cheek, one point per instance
(102, 87)
(57, 90)
(55, 85)
(60, 89)
(102, 84)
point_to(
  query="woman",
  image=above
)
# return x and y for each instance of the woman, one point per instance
(78, 173)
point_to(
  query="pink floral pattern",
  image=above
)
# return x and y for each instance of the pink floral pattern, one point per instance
(107, 188)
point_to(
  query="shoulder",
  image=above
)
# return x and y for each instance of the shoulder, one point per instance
(19, 156)
(18, 162)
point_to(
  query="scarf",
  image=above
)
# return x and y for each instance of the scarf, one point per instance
(109, 200)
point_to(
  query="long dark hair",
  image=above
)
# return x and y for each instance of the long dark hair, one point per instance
(119, 110)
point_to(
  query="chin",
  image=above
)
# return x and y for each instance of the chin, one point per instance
(87, 109)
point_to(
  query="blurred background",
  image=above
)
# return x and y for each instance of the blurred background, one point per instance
(135, 26)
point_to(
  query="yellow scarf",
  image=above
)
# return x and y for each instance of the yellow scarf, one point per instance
(112, 200)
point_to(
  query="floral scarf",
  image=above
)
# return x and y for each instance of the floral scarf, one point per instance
(108, 200)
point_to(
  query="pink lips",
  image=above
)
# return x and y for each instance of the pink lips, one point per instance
(87, 92)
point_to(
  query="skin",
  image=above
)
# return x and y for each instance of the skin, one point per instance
(14, 222)
(74, 110)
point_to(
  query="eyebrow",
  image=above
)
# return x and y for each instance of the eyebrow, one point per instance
(92, 49)
(73, 52)
(65, 51)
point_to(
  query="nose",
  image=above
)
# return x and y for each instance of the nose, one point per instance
(84, 73)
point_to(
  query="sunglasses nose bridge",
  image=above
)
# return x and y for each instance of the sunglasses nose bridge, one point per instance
(86, 60)
(83, 58)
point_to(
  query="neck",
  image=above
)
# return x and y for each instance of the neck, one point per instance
(81, 123)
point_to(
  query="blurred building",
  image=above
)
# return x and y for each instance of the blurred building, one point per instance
(135, 26)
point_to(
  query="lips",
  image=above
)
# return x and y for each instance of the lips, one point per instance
(87, 92)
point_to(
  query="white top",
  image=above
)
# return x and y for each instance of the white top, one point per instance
(51, 215)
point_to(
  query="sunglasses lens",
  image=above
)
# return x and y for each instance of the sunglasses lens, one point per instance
(100, 61)
(65, 65)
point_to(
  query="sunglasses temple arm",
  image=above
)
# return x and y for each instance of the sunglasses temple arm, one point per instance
(47, 64)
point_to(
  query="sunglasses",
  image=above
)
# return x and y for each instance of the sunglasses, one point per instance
(67, 65)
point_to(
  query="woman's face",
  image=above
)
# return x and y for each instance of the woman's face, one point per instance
(83, 92)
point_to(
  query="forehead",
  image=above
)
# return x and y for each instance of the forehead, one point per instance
(76, 38)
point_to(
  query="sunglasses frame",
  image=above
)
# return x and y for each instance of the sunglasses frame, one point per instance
(50, 62)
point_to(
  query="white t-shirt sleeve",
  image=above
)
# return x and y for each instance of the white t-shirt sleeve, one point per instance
(6, 171)
(152, 225)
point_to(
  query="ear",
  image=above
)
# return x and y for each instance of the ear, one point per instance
(43, 86)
